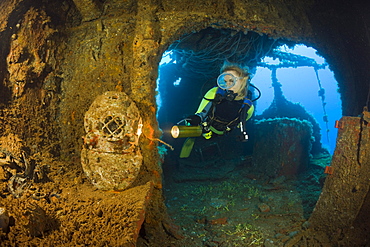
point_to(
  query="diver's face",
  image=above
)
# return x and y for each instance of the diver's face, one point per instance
(239, 84)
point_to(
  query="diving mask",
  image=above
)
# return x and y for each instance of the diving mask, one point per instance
(226, 80)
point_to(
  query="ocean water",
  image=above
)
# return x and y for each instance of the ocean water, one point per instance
(299, 85)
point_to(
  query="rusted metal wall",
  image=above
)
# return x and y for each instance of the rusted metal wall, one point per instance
(346, 188)
(282, 146)
(117, 46)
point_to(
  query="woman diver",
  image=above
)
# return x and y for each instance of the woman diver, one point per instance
(223, 108)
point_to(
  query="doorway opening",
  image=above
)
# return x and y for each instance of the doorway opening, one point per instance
(226, 191)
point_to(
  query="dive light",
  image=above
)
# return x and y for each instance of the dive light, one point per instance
(179, 131)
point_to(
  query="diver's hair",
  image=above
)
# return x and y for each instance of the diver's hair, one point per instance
(242, 71)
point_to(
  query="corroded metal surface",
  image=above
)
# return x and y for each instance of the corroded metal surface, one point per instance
(52, 73)
(345, 189)
(282, 146)
(89, 9)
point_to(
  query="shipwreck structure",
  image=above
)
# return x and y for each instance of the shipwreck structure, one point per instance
(58, 56)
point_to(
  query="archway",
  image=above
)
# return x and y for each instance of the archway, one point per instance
(218, 188)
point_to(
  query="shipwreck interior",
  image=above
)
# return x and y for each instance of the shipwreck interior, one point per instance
(85, 152)
(224, 176)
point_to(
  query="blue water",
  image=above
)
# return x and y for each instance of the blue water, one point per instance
(299, 85)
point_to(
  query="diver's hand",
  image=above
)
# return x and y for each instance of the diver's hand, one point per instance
(193, 120)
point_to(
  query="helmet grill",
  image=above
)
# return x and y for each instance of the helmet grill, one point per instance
(112, 126)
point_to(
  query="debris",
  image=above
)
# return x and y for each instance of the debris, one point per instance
(24, 171)
(218, 203)
(269, 243)
(38, 196)
(329, 170)
(4, 219)
(35, 220)
(54, 197)
(219, 221)
(278, 180)
(264, 208)
(17, 185)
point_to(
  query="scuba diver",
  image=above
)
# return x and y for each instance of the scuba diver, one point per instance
(223, 108)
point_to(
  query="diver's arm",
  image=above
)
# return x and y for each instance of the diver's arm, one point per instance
(205, 105)
(250, 112)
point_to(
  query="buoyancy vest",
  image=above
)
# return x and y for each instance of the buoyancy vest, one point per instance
(222, 114)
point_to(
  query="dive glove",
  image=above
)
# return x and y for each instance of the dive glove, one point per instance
(193, 120)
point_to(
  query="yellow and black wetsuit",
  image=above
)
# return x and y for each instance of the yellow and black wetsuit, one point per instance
(220, 115)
